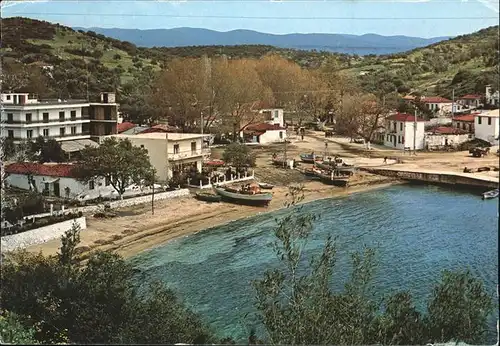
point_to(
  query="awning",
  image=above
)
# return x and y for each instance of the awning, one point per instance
(77, 145)
(50, 180)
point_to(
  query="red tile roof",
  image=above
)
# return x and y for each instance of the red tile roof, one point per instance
(435, 99)
(50, 170)
(125, 126)
(263, 127)
(472, 97)
(404, 117)
(467, 118)
(160, 128)
(446, 130)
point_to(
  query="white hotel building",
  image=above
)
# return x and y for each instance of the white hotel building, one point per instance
(24, 117)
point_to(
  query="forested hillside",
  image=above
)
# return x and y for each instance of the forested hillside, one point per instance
(57, 61)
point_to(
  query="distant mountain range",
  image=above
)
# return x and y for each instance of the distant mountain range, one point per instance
(340, 43)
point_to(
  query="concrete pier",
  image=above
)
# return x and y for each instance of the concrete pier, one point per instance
(436, 177)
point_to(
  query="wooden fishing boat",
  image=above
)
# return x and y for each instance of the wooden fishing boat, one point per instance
(244, 197)
(491, 194)
(331, 179)
(310, 158)
(266, 186)
(207, 197)
(343, 169)
(310, 172)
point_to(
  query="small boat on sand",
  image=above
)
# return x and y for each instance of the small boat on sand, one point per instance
(491, 194)
(266, 186)
(207, 197)
(331, 179)
(310, 158)
(249, 196)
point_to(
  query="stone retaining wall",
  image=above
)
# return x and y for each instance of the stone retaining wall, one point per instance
(440, 178)
(39, 235)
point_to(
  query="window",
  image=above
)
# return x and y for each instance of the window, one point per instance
(8, 97)
(107, 113)
(281, 134)
(73, 130)
(61, 116)
(28, 118)
(176, 148)
(276, 114)
(73, 115)
(479, 120)
(489, 120)
(10, 134)
(403, 139)
(400, 126)
(62, 131)
(29, 134)
(458, 125)
(10, 117)
(193, 147)
(45, 132)
(45, 117)
(91, 185)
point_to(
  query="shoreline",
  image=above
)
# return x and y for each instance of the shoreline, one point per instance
(136, 231)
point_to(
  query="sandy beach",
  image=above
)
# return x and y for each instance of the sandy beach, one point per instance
(135, 229)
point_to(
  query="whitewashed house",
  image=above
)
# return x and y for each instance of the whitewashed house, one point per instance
(171, 153)
(400, 131)
(446, 137)
(440, 105)
(55, 179)
(486, 126)
(274, 116)
(492, 97)
(264, 133)
(471, 100)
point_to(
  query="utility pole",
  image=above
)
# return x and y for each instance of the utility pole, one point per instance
(153, 196)
(166, 157)
(201, 121)
(453, 103)
(415, 134)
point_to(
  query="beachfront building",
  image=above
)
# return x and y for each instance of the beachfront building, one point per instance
(171, 153)
(487, 126)
(25, 117)
(400, 131)
(57, 180)
(445, 137)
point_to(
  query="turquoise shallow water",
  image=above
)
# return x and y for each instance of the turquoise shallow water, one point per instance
(417, 231)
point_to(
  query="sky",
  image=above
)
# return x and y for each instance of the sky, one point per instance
(419, 18)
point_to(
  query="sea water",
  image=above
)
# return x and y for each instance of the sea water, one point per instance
(417, 232)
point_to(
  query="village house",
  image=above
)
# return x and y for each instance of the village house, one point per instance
(264, 133)
(487, 126)
(445, 137)
(171, 153)
(400, 131)
(25, 117)
(55, 179)
(440, 105)
(471, 101)
(492, 97)
(464, 122)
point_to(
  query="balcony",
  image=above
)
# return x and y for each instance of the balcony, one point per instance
(59, 136)
(187, 154)
(45, 121)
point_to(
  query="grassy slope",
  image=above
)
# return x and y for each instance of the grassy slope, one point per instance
(66, 39)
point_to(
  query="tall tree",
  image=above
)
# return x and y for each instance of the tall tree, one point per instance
(117, 161)
(240, 88)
